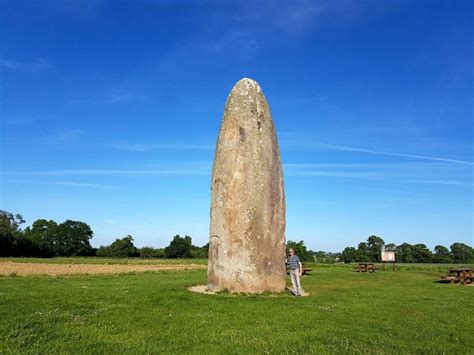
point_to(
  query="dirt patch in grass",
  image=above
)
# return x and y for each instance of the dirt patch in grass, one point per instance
(26, 269)
(203, 289)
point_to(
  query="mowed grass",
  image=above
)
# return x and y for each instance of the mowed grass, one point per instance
(384, 312)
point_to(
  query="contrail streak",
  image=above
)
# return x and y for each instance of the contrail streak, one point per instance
(379, 152)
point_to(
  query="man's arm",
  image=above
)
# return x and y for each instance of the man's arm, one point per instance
(301, 268)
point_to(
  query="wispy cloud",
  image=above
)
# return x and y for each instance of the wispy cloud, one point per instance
(124, 97)
(335, 174)
(68, 134)
(37, 65)
(168, 168)
(383, 177)
(340, 165)
(315, 145)
(73, 10)
(380, 152)
(145, 147)
(65, 135)
(112, 98)
(298, 16)
(440, 182)
(67, 183)
(76, 172)
(18, 121)
(243, 41)
(250, 25)
(126, 172)
(293, 17)
(442, 173)
(61, 136)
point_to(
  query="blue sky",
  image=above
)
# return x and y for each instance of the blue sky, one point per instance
(110, 112)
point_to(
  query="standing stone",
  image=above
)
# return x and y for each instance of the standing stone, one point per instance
(247, 232)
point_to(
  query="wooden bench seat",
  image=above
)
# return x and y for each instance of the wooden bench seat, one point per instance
(464, 276)
(366, 267)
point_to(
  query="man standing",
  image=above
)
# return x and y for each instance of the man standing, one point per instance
(296, 269)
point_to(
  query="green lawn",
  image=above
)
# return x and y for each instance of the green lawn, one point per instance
(384, 312)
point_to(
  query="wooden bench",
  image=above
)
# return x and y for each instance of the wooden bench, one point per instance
(366, 267)
(449, 278)
(464, 276)
(306, 270)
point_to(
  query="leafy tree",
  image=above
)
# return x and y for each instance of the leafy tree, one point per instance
(124, 247)
(200, 252)
(333, 257)
(104, 252)
(300, 250)
(390, 247)
(349, 255)
(9, 223)
(319, 256)
(375, 245)
(421, 254)
(12, 241)
(180, 247)
(149, 252)
(442, 255)
(403, 253)
(324, 257)
(43, 236)
(462, 253)
(121, 248)
(72, 239)
(363, 252)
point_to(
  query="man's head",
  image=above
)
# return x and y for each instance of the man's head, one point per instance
(291, 251)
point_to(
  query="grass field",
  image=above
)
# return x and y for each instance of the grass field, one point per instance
(94, 260)
(401, 311)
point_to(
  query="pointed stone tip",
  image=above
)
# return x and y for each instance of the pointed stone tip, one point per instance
(246, 84)
(249, 80)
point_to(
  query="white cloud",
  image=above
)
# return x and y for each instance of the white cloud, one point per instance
(37, 65)
(67, 183)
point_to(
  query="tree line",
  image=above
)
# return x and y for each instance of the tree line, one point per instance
(408, 253)
(72, 238)
(179, 247)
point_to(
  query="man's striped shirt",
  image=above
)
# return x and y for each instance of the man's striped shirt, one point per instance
(294, 262)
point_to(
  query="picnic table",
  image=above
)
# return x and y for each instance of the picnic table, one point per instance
(306, 270)
(366, 267)
(462, 274)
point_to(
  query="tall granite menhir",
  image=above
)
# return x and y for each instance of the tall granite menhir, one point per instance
(247, 232)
